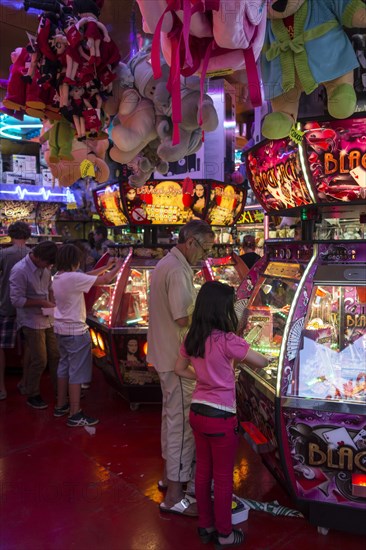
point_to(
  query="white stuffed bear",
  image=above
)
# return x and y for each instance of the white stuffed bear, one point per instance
(191, 125)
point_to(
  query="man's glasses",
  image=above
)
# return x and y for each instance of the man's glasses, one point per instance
(205, 252)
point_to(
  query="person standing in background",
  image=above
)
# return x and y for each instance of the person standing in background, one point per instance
(172, 297)
(101, 242)
(250, 257)
(19, 232)
(31, 294)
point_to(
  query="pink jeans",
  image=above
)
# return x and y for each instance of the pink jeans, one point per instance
(216, 445)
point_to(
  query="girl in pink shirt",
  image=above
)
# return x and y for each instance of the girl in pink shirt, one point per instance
(207, 355)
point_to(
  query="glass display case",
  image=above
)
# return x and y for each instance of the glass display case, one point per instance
(331, 363)
(118, 318)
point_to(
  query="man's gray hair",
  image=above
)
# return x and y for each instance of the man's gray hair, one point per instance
(195, 228)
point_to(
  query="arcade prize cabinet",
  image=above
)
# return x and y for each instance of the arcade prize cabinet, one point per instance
(304, 306)
(118, 313)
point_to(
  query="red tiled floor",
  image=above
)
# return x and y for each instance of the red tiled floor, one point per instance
(64, 489)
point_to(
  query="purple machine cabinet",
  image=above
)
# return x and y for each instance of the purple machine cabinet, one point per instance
(307, 409)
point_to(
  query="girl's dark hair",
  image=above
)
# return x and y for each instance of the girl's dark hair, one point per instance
(68, 257)
(214, 310)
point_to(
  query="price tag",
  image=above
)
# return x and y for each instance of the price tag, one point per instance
(87, 169)
(296, 135)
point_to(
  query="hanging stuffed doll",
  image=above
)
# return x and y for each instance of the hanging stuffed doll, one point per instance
(76, 95)
(306, 46)
(93, 30)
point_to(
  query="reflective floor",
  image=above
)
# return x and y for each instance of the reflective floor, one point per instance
(64, 488)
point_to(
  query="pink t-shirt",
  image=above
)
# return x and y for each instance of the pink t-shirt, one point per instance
(215, 372)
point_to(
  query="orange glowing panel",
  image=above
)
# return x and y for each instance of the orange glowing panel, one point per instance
(144, 348)
(93, 337)
(101, 342)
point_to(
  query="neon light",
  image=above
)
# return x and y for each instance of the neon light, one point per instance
(8, 136)
(290, 314)
(47, 194)
(17, 128)
(116, 285)
(304, 169)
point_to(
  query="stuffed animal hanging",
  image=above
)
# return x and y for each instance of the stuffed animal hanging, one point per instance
(305, 46)
(213, 37)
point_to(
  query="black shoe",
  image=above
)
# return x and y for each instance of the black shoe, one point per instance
(36, 402)
(80, 419)
(61, 411)
(205, 535)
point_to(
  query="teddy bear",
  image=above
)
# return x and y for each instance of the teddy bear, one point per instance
(305, 46)
(133, 126)
(145, 163)
(195, 116)
(124, 79)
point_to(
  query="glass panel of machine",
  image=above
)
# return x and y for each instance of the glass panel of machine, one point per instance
(268, 311)
(102, 305)
(332, 358)
(133, 308)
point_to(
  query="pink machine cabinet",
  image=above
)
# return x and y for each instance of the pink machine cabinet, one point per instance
(306, 412)
(118, 319)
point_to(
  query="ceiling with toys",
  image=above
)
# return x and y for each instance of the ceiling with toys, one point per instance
(128, 78)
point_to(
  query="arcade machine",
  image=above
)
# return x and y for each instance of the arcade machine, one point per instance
(118, 313)
(306, 310)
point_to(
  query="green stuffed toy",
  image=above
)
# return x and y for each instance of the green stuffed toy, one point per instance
(305, 45)
(60, 139)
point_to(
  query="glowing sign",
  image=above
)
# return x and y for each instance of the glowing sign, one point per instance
(107, 199)
(275, 175)
(169, 202)
(36, 193)
(11, 128)
(336, 158)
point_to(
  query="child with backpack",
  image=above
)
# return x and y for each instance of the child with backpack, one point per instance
(207, 355)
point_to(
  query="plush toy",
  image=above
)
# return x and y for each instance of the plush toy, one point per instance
(199, 37)
(305, 46)
(68, 171)
(134, 126)
(93, 30)
(60, 138)
(196, 115)
(16, 87)
(124, 79)
(145, 164)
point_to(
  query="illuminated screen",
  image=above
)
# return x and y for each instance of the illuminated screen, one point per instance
(275, 175)
(336, 156)
(108, 204)
(176, 202)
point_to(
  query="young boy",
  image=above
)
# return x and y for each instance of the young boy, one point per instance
(75, 366)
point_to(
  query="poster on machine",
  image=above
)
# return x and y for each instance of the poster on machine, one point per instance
(175, 202)
(275, 175)
(336, 157)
